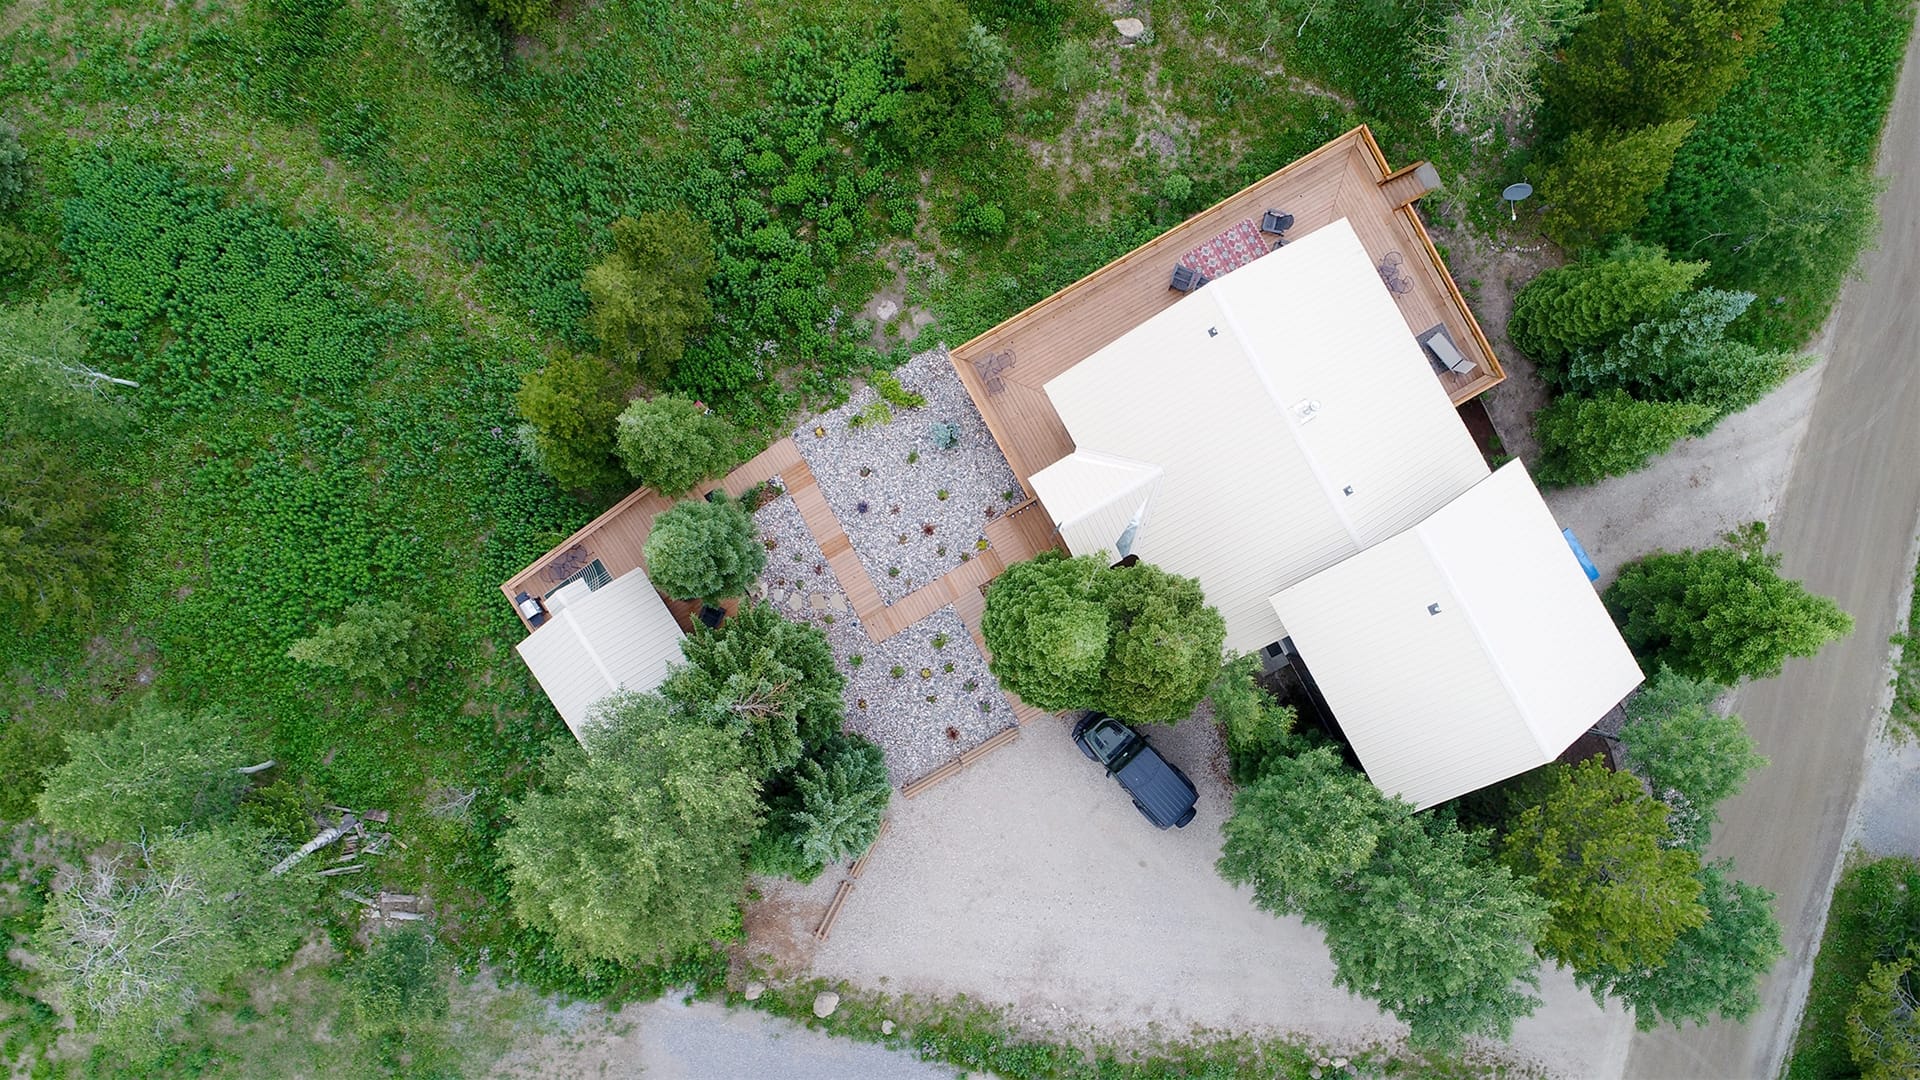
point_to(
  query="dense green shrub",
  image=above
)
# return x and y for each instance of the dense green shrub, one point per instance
(57, 538)
(1636, 63)
(1600, 184)
(13, 166)
(1417, 916)
(635, 848)
(670, 444)
(1136, 642)
(770, 682)
(843, 797)
(1589, 303)
(520, 15)
(158, 769)
(235, 299)
(1258, 730)
(1775, 184)
(1713, 969)
(1598, 849)
(571, 404)
(1585, 440)
(1682, 355)
(376, 641)
(459, 42)
(1693, 757)
(952, 67)
(19, 254)
(650, 291)
(700, 550)
(887, 385)
(1721, 613)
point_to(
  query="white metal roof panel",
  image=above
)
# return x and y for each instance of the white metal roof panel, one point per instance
(1520, 659)
(1264, 396)
(618, 637)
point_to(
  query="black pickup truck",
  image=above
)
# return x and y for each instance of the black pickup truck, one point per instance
(1159, 789)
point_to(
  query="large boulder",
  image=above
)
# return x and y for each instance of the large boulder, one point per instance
(824, 1003)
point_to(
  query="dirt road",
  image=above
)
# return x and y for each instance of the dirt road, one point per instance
(1845, 525)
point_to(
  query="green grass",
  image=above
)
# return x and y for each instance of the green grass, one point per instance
(1904, 719)
(981, 1038)
(1875, 915)
(1818, 90)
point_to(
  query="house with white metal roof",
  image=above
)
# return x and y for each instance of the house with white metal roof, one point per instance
(1465, 650)
(1279, 434)
(1273, 423)
(595, 642)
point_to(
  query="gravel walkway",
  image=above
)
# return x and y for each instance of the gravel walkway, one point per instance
(909, 534)
(935, 658)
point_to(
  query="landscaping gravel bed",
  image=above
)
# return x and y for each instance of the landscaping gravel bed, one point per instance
(917, 734)
(925, 508)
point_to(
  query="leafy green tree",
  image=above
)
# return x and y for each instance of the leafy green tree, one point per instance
(376, 641)
(399, 986)
(701, 550)
(770, 682)
(1165, 644)
(1599, 851)
(1259, 730)
(569, 406)
(1883, 1027)
(634, 848)
(1046, 631)
(1484, 63)
(130, 946)
(843, 798)
(1587, 439)
(1136, 642)
(519, 15)
(57, 537)
(1694, 758)
(1713, 968)
(13, 166)
(670, 444)
(1588, 303)
(1642, 62)
(1601, 183)
(1721, 613)
(458, 41)
(650, 292)
(1417, 916)
(158, 769)
(951, 65)
(1683, 356)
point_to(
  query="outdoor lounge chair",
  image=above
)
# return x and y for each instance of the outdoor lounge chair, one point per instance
(1186, 279)
(1276, 221)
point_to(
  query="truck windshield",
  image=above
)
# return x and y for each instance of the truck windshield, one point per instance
(1106, 738)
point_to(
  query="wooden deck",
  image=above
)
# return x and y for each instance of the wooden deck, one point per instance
(1006, 368)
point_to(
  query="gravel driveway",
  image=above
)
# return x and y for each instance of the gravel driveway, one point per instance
(1030, 881)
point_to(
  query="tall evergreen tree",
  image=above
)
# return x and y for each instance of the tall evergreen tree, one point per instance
(1601, 183)
(1584, 440)
(1642, 62)
(1589, 303)
(650, 292)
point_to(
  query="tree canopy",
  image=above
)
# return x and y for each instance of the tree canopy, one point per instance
(1598, 849)
(1136, 642)
(650, 291)
(1640, 62)
(670, 444)
(1693, 757)
(1417, 915)
(634, 849)
(1713, 968)
(767, 681)
(1485, 62)
(1586, 439)
(157, 769)
(843, 796)
(569, 407)
(1601, 183)
(1586, 304)
(1721, 613)
(376, 641)
(701, 550)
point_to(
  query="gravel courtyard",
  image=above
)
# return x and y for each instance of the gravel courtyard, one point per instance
(911, 510)
(1029, 880)
(924, 694)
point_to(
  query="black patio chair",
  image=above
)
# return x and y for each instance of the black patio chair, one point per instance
(1276, 221)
